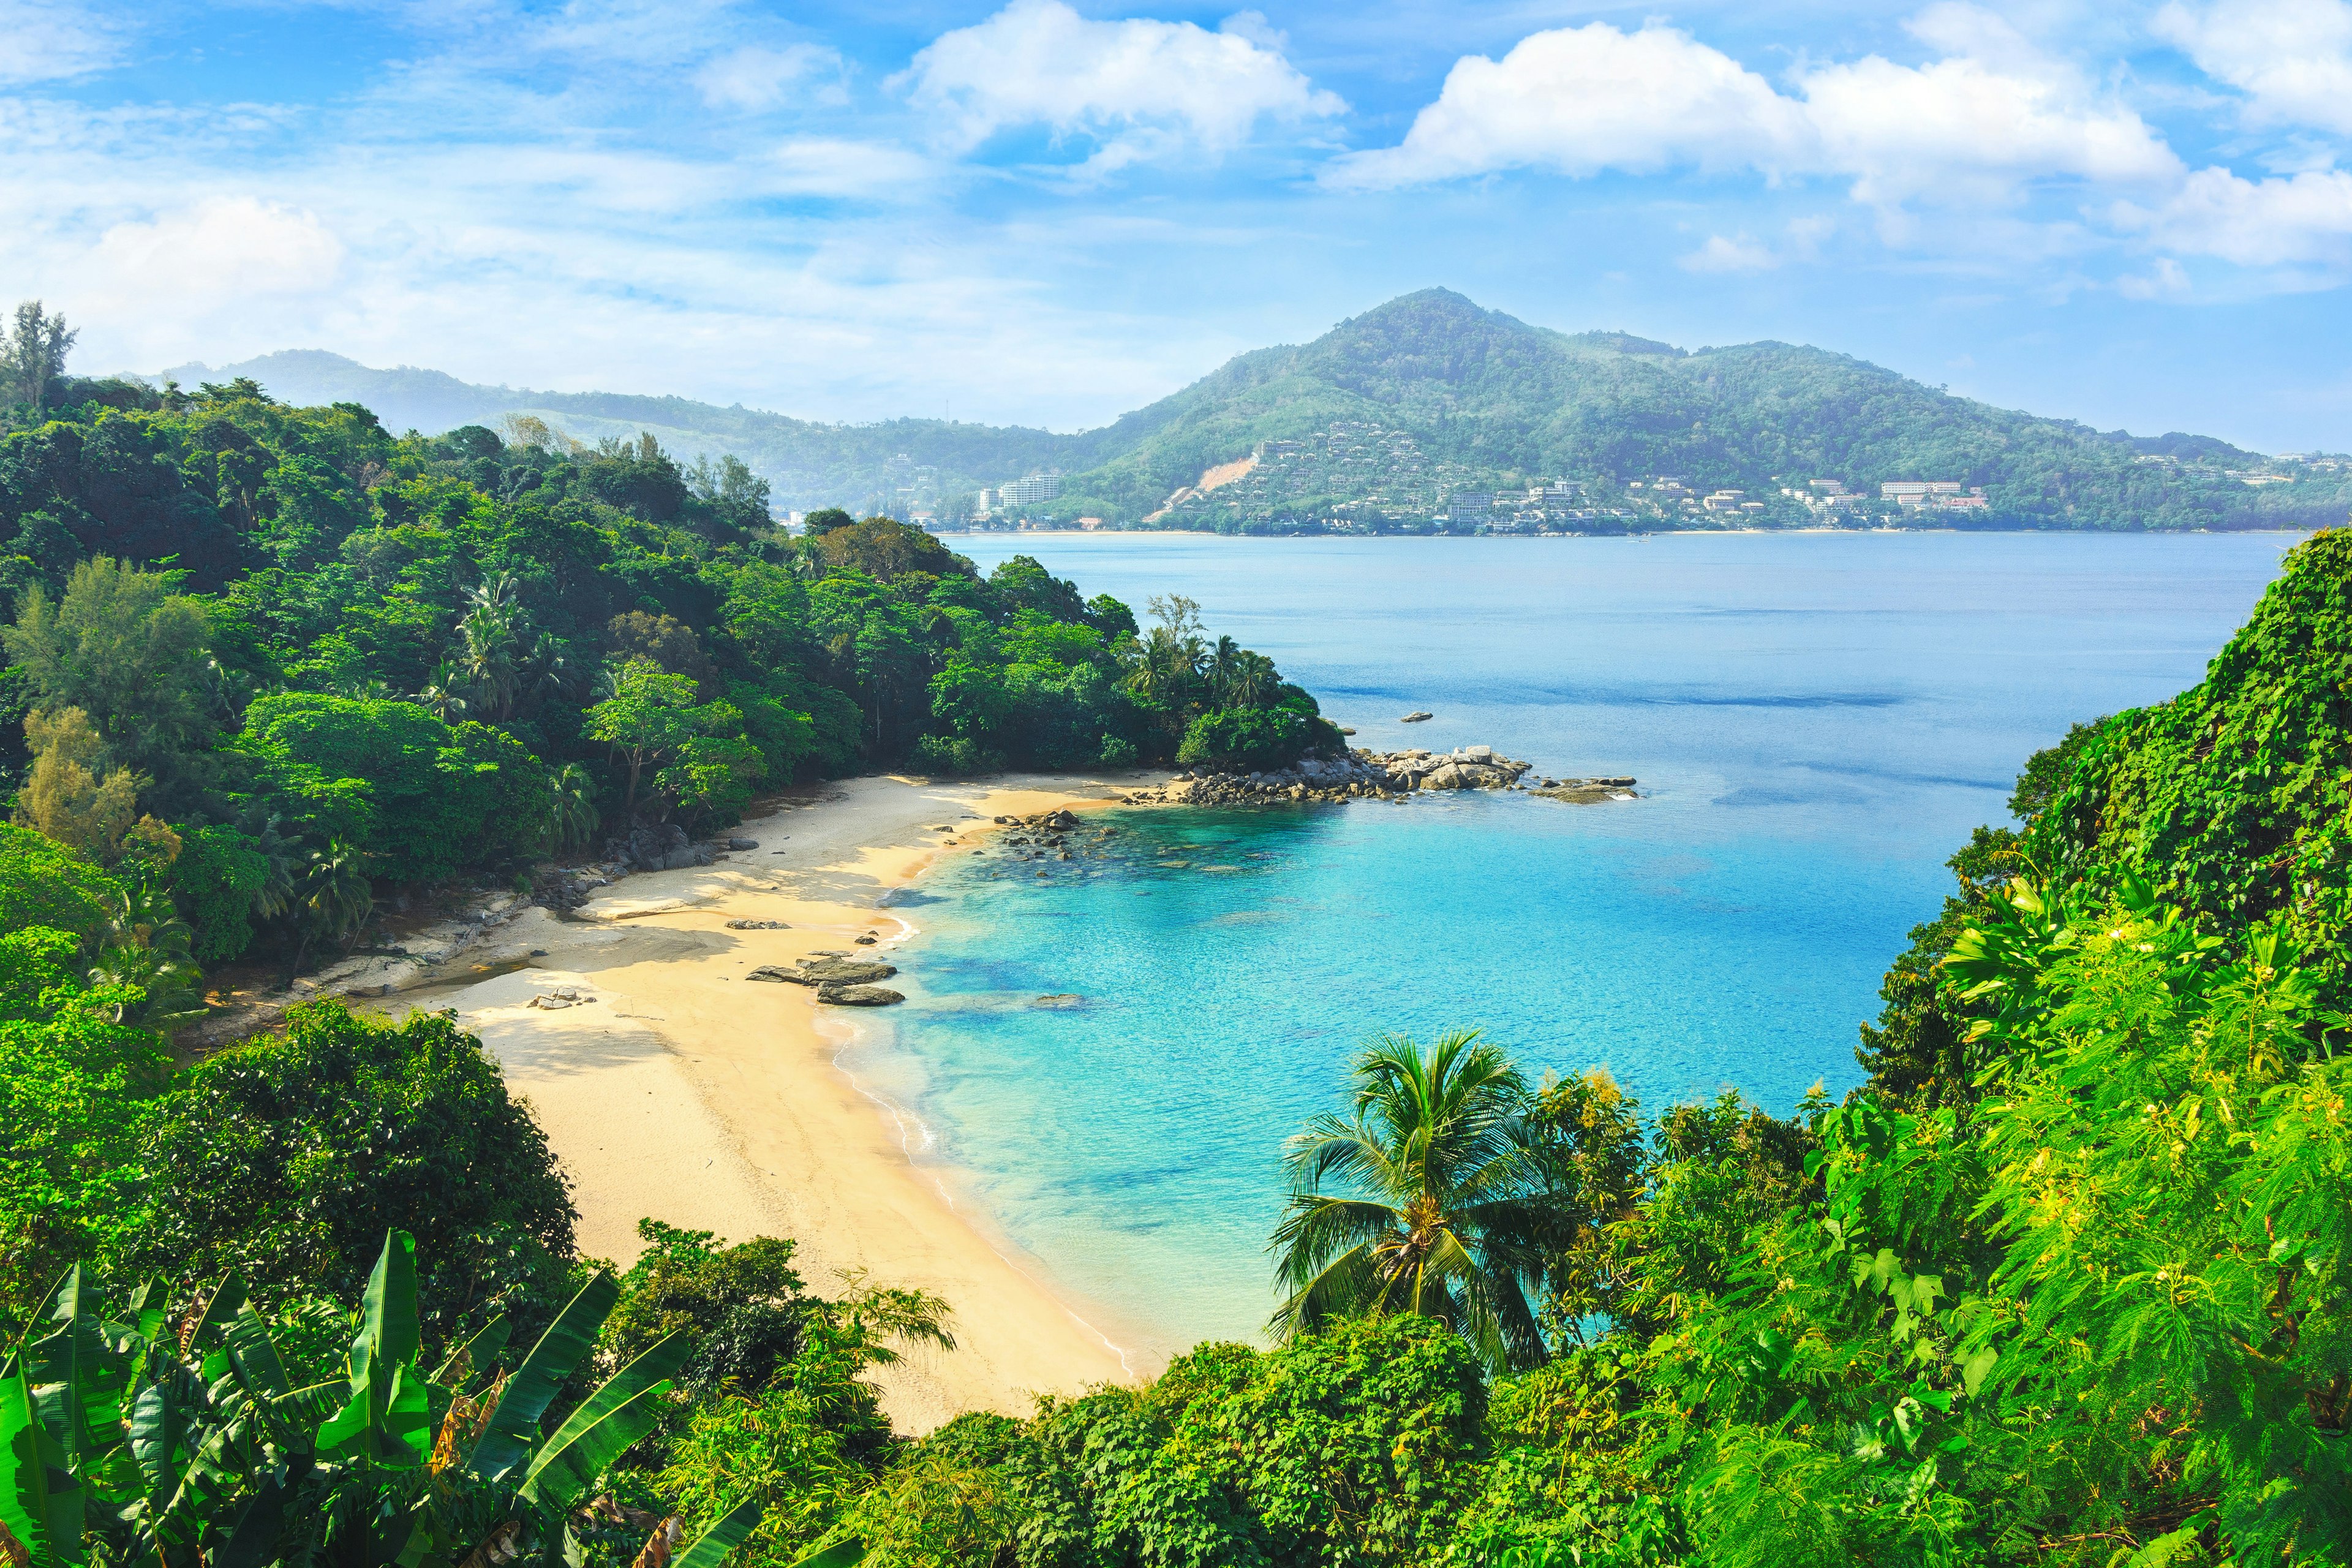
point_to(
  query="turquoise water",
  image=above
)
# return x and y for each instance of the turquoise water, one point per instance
(1817, 721)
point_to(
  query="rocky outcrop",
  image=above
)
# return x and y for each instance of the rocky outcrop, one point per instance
(858, 995)
(1586, 792)
(756, 925)
(662, 846)
(1358, 775)
(823, 971)
(1416, 717)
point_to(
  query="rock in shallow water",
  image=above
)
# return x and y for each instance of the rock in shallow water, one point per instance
(858, 995)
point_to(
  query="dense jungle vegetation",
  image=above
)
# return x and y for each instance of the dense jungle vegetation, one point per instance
(268, 663)
(2065, 1281)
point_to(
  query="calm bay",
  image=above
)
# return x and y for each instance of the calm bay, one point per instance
(1817, 721)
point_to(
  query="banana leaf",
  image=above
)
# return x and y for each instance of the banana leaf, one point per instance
(712, 1548)
(254, 1541)
(593, 1436)
(80, 1377)
(389, 1334)
(41, 1501)
(508, 1441)
(220, 1308)
(467, 1361)
(558, 1475)
(840, 1554)
(398, 1431)
(253, 1354)
(158, 1432)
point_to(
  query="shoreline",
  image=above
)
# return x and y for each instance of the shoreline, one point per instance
(669, 1054)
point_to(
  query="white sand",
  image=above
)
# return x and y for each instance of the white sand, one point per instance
(684, 1093)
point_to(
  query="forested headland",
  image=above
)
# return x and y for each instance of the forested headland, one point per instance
(268, 664)
(2064, 1281)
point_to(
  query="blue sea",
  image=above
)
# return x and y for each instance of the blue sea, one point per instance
(1817, 721)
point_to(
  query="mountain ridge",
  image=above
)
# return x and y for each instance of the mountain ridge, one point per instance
(1457, 398)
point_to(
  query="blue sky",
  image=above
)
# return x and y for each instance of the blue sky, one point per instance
(1050, 213)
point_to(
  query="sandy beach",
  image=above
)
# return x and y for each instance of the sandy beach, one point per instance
(679, 1090)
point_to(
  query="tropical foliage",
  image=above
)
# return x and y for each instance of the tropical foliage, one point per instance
(284, 663)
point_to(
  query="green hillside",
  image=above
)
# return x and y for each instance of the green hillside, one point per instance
(1487, 402)
(1392, 413)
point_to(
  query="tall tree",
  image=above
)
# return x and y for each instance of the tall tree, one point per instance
(121, 647)
(35, 350)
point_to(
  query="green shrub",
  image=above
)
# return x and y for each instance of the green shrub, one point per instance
(42, 883)
(1253, 738)
(288, 1158)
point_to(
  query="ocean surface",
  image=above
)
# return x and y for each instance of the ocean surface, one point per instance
(1817, 721)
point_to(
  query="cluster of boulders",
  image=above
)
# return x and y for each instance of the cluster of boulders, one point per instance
(1359, 774)
(663, 847)
(844, 980)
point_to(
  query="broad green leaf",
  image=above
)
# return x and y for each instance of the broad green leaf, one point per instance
(586, 1442)
(711, 1549)
(311, 1407)
(408, 1419)
(79, 1378)
(342, 1432)
(507, 1442)
(840, 1554)
(470, 1359)
(260, 1371)
(254, 1541)
(220, 1309)
(158, 1428)
(560, 1474)
(389, 1334)
(40, 1501)
(1973, 1369)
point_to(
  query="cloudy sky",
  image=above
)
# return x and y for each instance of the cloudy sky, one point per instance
(2130, 214)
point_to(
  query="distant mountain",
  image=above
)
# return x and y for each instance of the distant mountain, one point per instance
(1428, 393)
(806, 463)
(1382, 418)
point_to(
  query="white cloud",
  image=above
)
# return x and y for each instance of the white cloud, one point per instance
(1961, 130)
(1140, 88)
(1976, 126)
(2300, 220)
(755, 76)
(1581, 99)
(1735, 255)
(42, 41)
(221, 248)
(2293, 59)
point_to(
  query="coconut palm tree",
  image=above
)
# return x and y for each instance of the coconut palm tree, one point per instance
(147, 944)
(1431, 1198)
(443, 692)
(571, 813)
(334, 898)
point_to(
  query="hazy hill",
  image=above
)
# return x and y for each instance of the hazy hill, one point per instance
(1461, 397)
(807, 463)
